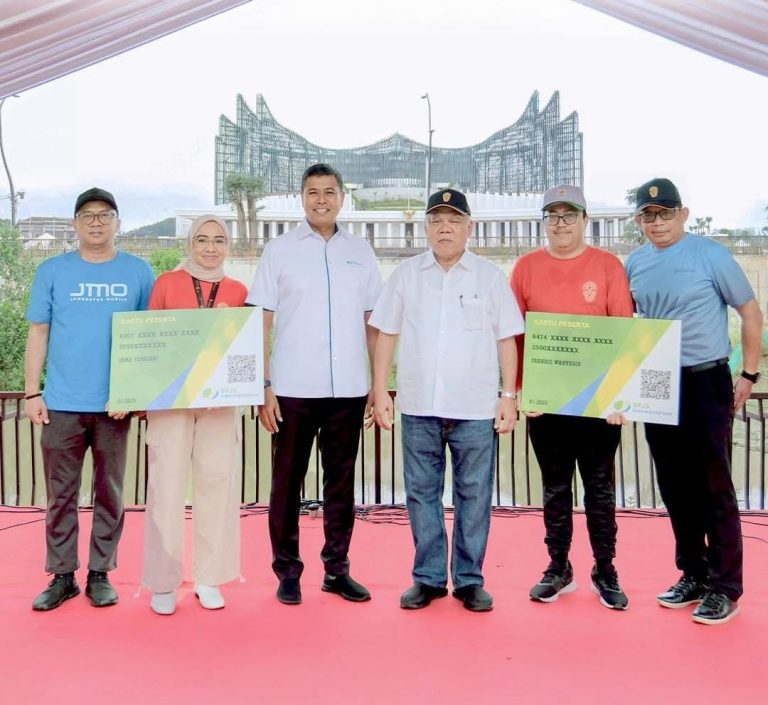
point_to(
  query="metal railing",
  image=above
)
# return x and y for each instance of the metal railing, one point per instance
(379, 465)
(394, 246)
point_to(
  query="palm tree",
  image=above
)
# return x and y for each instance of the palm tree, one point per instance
(234, 191)
(253, 188)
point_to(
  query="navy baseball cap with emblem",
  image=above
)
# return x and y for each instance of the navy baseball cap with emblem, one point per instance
(657, 192)
(95, 194)
(448, 197)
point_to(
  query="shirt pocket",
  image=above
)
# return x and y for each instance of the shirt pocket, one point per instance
(473, 313)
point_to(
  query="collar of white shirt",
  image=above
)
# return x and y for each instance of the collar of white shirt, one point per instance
(305, 230)
(468, 260)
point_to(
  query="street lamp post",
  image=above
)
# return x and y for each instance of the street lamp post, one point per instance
(7, 169)
(429, 152)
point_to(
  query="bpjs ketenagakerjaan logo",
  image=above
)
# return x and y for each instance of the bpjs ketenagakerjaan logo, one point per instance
(93, 291)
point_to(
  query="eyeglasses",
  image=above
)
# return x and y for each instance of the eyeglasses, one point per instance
(104, 217)
(568, 218)
(218, 242)
(650, 216)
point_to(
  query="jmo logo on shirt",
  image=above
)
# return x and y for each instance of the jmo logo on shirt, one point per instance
(90, 291)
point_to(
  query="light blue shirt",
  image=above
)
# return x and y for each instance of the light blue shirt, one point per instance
(693, 281)
(77, 299)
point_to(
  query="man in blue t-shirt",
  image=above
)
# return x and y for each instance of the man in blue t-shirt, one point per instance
(692, 279)
(70, 326)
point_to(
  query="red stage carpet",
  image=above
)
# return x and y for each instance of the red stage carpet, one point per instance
(330, 651)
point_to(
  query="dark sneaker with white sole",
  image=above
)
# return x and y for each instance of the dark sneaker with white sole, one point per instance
(605, 583)
(556, 580)
(684, 592)
(715, 608)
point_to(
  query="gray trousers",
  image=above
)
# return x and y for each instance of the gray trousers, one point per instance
(64, 442)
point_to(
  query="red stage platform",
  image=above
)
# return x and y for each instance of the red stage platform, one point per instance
(330, 651)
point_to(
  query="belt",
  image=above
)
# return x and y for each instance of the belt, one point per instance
(702, 366)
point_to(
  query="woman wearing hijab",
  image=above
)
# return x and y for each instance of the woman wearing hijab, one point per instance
(202, 443)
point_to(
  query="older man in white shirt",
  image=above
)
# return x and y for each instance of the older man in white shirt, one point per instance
(319, 284)
(457, 319)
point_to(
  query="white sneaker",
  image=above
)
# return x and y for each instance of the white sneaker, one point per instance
(163, 602)
(210, 597)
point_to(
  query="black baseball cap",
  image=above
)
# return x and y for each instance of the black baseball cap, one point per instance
(448, 197)
(657, 192)
(95, 194)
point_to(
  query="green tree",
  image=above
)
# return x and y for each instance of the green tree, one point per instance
(164, 260)
(234, 190)
(253, 187)
(16, 272)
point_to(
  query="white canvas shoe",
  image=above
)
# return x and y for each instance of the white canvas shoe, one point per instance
(210, 597)
(163, 602)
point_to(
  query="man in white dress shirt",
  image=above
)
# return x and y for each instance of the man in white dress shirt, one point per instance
(319, 284)
(457, 319)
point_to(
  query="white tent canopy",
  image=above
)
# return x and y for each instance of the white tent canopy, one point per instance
(41, 41)
(735, 31)
(45, 40)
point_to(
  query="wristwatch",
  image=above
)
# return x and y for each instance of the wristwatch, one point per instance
(267, 383)
(507, 395)
(754, 378)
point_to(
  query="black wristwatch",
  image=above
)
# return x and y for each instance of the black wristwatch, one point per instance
(267, 383)
(754, 378)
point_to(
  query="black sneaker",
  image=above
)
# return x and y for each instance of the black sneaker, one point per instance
(555, 581)
(685, 592)
(606, 584)
(98, 589)
(62, 587)
(715, 608)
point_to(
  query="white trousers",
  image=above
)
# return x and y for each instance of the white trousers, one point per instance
(205, 442)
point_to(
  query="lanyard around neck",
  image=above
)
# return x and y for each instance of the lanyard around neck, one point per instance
(199, 293)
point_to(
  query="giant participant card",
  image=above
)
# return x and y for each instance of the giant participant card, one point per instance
(186, 359)
(596, 365)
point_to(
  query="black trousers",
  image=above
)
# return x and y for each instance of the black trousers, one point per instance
(693, 467)
(338, 422)
(560, 442)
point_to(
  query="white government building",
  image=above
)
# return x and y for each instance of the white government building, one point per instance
(500, 220)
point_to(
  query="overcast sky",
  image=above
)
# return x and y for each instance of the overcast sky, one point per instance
(345, 73)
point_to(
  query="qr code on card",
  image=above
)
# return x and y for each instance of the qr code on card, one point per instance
(241, 368)
(655, 384)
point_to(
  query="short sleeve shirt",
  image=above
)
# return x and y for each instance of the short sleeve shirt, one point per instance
(320, 292)
(449, 325)
(77, 298)
(693, 281)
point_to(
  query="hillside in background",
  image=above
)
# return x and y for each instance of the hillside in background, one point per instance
(162, 228)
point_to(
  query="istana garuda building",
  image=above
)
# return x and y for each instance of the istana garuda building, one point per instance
(536, 152)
